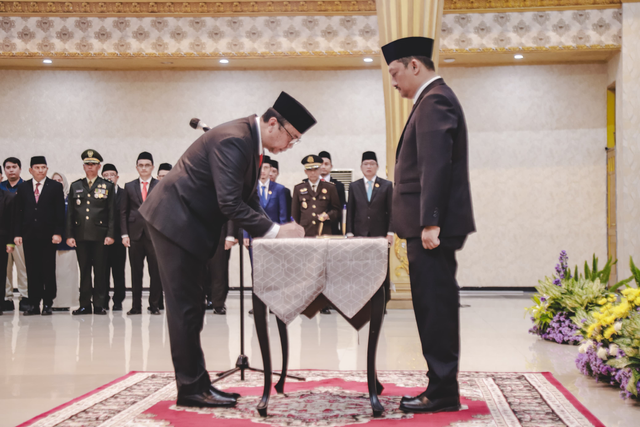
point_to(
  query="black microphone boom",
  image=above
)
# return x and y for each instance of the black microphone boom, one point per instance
(199, 124)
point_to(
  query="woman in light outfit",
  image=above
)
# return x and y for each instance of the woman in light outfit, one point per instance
(67, 275)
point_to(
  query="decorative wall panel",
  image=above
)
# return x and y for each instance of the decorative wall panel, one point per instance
(298, 35)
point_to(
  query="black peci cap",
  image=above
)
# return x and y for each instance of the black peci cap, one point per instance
(325, 155)
(145, 155)
(266, 160)
(311, 161)
(369, 155)
(38, 160)
(275, 164)
(109, 167)
(294, 112)
(408, 46)
(164, 167)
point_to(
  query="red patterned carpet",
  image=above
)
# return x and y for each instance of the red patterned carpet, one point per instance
(327, 398)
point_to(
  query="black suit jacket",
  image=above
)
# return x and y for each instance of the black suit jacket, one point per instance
(432, 168)
(40, 220)
(7, 212)
(370, 218)
(131, 222)
(214, 181)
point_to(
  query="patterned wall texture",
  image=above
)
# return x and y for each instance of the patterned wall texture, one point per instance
(255, 36)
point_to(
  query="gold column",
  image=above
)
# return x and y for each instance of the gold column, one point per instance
(397, 19)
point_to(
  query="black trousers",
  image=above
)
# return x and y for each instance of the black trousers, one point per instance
(139, 250)
(181, 273)
(92, 257)
(436, 305)
(116, 258)
(4, 259)
(40, 260)
(217, 277)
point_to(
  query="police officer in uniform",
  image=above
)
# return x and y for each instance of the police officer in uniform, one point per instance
(315, 201)
(90, 229)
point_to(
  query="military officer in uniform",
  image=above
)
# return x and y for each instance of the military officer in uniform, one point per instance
(90, 229)
(315, 202)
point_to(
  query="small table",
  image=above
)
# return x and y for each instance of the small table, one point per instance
(302, 276)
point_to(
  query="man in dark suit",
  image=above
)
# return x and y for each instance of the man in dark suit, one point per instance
(217, 276)
(135, 236)
(369, 206)
(6, 231)
(116, 253)
(213, 182)
(273, 175)
(90, 229)
(432, 210)
(38, 226)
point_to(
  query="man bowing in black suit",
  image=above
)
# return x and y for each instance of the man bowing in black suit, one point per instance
(38, 226)
(135, 236)
(213, 182)
(432, 210)
(369, 206)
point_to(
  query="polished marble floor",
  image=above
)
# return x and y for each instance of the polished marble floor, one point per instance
(47, 361)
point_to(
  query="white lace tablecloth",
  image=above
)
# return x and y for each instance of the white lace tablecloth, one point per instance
(289, 274)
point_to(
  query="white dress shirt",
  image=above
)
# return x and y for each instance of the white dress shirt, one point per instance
(148, 181)
(40, 187)
(423, 87)
(266, 188)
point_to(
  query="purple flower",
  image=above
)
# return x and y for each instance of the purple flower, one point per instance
(561, 330)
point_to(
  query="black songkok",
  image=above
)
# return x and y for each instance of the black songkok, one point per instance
(325, 155)
(369, 155)
(294, 112)
(145, 156)
(164, 167)
(38, 160)
(275, 164)
(266, 160)
(408, 46)
(109, 167)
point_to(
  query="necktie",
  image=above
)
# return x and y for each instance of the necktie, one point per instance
(37, 192)
(369, 190)
(313, 187)
(144, 191)
(263, 196)
(90, 183)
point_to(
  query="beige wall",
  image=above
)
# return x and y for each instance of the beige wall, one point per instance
(537, 137)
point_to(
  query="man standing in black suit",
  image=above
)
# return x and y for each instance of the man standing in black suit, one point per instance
(39, 225)
(116, 253)
(432, 210)
(135, 236)
(90, 228)
(6, 231)
(213, 182)
(273, 176)
(325, 175)
(369, 207)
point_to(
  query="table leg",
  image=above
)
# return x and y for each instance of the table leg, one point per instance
(284, 343)
(260, 319)
(377, 315)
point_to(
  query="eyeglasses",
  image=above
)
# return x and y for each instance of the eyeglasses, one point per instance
(294, 141)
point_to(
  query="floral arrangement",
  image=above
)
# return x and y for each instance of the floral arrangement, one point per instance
(561, 297)
(611, 350)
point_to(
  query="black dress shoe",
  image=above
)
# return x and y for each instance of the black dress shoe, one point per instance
(46, 310)
(422, 405)
(8, 305)
(60, 308)
(24, 305)
(325, 311)
(99, 310)
(81, 310)
(220, 310)
(153, 310)
(32, 311)
(208, 399)
(134, 311)
(116, 307)
(224, 393)
(209, 305)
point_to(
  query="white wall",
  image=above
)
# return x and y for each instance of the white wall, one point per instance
(537, 137)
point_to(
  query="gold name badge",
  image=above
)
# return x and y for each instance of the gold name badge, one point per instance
(324, 190)
(304, 205)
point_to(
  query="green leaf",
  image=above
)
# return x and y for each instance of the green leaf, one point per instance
(620, 283)
(575, 275)
(634, 271)
(595, 267)
(587, 273)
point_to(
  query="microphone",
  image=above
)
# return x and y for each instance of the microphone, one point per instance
(199, 124)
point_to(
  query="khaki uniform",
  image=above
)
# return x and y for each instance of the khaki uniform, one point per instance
(307, 205)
